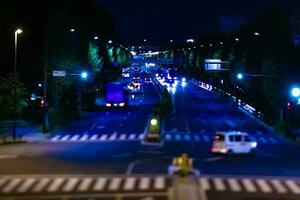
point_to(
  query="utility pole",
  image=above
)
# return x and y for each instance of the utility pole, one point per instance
(45, 109)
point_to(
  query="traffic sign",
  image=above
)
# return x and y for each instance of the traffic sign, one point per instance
(59, 73)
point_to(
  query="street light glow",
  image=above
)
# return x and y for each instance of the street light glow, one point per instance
(240, 76)
(19, 31)
(296, 92)
(96, 37)
(257, 34)
(237, 39)
(84, 75)
(110, 41)
(72, 30)
(153, 122)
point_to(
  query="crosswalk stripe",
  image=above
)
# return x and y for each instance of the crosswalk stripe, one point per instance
(100, 183)
(129, 183)
(197, 138)
(168, 137)
(177, 137)
(113, 137)
(54, 186)
(278, 186)
(159, 182)
(40, 185)
(206, 138)
(26, 185)
(84, 137)
(293, 186)
(123, 137)
(234, 185)
(85, 184)
(11, 185)
(141, 136)
(55, 138)
(103, 137)
(2, 181)
(204, 184)
(94, 137)
(66, 137)
(71, 183)
(144, 183)
(115, 183)
(273, 140)
(187, 137)
(132, 136)
(75, 137)
(263, 185)
(219, 184)
(249, 186)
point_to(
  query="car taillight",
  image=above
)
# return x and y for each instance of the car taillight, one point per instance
(223, 150)
(213, 150)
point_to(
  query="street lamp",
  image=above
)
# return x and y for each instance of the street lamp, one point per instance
(72, 30)
(17, 32)
(295, 92)
(96, 38)
(110, 41)
(240, 76)
(84, 75)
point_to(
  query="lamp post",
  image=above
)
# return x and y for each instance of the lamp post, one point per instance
(18, 31)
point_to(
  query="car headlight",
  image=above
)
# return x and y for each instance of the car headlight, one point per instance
(254, 144)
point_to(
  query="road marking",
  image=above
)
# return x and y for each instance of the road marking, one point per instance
(115, 183)
(94, 137)
(168, 137)
(197, 138)
(177, 137)
(85, 184)
(144, 183)
(263, 185)
(41, 185)
(103, 137)
(11, 185)
(187, 137)
(70, 185)
(8, 156)
(219, 184)
(75, 137)
(204, 184)
(206, 138)
(66, 137)
(2, 181)
(234, 185)
(159, 183)
(141, 136)
(26, 185)
(293, 186)
(129, 183)
(132, 136)
(54, 186)
(122, 137)
(213, 159)
(84, 137)
(100, 183)
(278, 186)
(55, 138)
(113, 137)
(249, 186)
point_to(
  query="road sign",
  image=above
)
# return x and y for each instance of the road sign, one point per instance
(59, 73)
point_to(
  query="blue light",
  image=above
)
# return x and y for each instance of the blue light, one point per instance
(240, 76)
(84, 75)
(296, 92)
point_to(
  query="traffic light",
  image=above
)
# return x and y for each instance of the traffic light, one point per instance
(42, 103)
(289, 105)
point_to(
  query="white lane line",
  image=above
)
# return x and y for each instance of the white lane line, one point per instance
(197, 138)
(132, 136)
(129, 183)
(8, 156)
(70, 185)
(159, 183)
(122, 137)
(206, 138)
(113, 137)
(26, 185)
(85, 184)
(264, 186)
(103, 137)
(141, 136)
(234, 185)
(40, 185)
(55, 185)
(11, 185)
(249, 186)
(115, 183)
(144, 183)
(75, 137)
(55, 138)
(66, 137)
(168, 137)
(219, 184)
(100, 183)
(279, 187)
(94, 137)
(84, 137)
(293, 186)
(204, 184)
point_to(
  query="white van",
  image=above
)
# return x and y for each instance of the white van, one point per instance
(233, 142)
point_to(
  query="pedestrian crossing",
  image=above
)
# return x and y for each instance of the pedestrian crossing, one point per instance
(250, 185)
(83, 184)
(168, 137)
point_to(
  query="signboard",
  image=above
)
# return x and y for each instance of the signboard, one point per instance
(59, 73)
(212, 64)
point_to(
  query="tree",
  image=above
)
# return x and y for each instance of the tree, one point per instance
(6, 98)
(94, 58)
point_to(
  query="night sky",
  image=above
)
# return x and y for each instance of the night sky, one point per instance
(162, 20)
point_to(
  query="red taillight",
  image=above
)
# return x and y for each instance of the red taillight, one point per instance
(213, 150)
(223, 150)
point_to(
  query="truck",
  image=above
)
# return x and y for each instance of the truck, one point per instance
(116, 95)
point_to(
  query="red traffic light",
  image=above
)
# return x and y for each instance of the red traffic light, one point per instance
(289, 105)
(42, 103)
